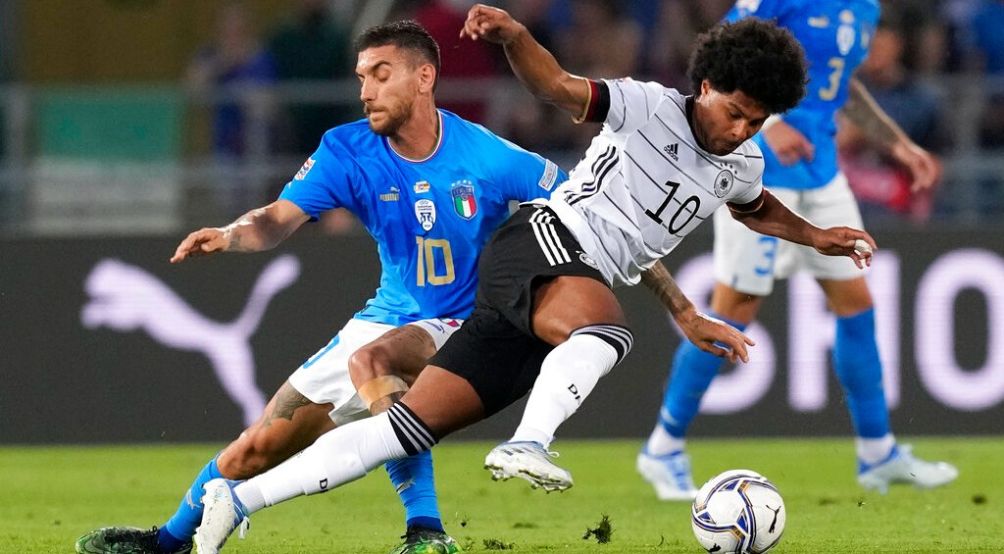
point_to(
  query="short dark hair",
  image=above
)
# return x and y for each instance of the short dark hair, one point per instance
(754, 56)
(406, 34)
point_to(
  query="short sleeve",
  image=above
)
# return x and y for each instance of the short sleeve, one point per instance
(751, 177)
(747, 194)
(524, 175)
(632, 103)
(322, 183)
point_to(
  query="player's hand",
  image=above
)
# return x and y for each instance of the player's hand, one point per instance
(845, 241)
(925, 169)
(788, 144)
(715, 336)
(491, 24)
(201, 242)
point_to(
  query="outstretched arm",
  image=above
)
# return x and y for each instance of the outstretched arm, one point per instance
(705, 332)
(260, 229)
(769, 216)
(864, 112)
(533, 65)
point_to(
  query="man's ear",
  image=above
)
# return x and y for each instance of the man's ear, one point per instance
(427, 78)
(705, 87)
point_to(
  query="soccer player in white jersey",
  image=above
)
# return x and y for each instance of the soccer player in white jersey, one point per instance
(800, 159)
(545, 315)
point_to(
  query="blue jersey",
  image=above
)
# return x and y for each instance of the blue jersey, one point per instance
(430, 218)
(835, 35)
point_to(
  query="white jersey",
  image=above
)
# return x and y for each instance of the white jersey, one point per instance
(644, 183)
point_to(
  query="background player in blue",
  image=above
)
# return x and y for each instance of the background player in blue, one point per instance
(430, 188)
(801, 168)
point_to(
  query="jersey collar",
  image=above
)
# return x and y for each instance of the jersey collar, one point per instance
(439, 143)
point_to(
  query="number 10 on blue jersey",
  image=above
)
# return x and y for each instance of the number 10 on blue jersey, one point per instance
(426, 266)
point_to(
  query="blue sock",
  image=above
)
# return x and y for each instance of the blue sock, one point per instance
(178, 530)
(412, 478)
(857, 363)
(691, 375)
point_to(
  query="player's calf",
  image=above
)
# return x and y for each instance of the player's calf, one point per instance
(291, 423)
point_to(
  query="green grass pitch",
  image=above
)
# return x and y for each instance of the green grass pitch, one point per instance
(52, 495)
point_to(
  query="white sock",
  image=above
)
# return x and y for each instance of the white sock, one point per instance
(339, 456)
(566, 378)
(660, 442)
(871, 451)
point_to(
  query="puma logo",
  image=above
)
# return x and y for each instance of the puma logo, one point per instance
(773, 522)
(125, 298)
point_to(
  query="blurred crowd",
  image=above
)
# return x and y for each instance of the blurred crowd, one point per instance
(919, 43)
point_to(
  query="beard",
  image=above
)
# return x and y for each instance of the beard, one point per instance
(390, 121)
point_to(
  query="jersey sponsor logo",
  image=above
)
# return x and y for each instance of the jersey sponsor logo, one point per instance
(550, 175)
(425, 212)
(421, 186)
(672, 151)
(304, 170)
(463, 199)
(393, 195)
(723, 183)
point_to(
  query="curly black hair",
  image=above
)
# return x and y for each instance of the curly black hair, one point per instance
(754, 56)
(406, 34)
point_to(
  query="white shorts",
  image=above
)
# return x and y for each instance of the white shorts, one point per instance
(750, 262)
(325, 376)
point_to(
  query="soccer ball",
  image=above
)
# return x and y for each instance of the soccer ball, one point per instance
(739, 512)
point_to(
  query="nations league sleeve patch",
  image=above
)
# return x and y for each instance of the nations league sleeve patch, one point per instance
(304, 170)
(550, 175)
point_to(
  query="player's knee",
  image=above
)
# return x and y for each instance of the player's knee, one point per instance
(368, 363)
(618, 337)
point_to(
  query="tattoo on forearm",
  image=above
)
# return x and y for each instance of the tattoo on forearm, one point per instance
(661, 283)
(862, 109)
(287, 401)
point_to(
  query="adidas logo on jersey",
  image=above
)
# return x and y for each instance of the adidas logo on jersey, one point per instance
(671, 151)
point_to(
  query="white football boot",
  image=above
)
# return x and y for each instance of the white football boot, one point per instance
(530, 461)
(669, 475)
(902, 467)
(221, 515)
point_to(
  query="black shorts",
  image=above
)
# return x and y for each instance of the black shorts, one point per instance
(495, 349)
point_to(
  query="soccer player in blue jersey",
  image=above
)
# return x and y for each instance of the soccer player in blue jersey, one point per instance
(801, 169)
(430, 188)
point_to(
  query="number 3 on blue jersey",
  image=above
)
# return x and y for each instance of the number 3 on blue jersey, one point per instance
(769, 250)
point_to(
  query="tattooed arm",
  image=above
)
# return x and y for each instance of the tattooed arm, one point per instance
(260, 229)
(705, 332)
(862, 110)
